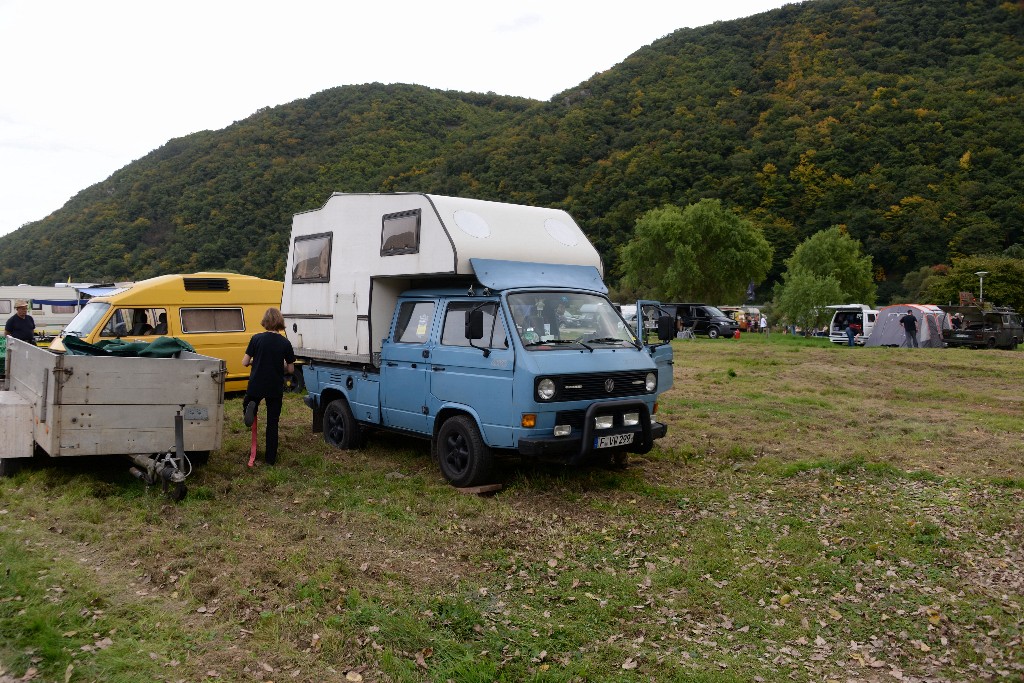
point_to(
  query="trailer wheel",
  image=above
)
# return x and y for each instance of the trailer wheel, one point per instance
(8, 466)
(464, 458)
(340, 428)
(198, 457)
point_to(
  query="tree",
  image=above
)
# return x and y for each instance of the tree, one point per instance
(833, 253)
(702, 252)
(802, 298)
(1004, 281)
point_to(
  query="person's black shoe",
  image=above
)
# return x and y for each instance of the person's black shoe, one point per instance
(250, 413)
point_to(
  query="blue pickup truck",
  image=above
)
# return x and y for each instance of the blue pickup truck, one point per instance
(522, 355)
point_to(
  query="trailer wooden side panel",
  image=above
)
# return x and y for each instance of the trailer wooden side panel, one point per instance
(103, 429)
(97, 405)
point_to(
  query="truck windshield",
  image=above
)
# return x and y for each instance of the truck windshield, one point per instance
(86, 320)
(550, 320)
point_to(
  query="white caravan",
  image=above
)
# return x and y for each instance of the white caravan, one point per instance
(51, 307)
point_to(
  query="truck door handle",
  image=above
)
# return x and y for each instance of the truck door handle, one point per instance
(438, 368)
(391, 364)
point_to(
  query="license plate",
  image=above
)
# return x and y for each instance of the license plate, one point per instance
(613, 440)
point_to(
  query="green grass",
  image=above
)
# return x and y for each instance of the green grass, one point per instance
(805, 519)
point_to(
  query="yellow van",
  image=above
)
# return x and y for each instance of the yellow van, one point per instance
(216, 313)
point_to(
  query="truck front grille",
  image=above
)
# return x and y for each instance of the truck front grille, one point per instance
(599, 385)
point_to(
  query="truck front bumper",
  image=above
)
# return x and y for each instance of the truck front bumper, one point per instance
(579, 445)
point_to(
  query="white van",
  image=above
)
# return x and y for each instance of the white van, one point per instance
(844, 314)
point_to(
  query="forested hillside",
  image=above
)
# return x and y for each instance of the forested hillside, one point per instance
(898, 119)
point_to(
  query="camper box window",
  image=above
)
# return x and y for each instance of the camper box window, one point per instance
(5, 305)
(312, 258)
(400, 233)
(197, 320)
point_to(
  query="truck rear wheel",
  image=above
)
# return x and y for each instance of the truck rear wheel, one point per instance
(464, 458)
(340, 427)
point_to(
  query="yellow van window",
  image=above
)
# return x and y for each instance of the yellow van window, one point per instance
(198, 320)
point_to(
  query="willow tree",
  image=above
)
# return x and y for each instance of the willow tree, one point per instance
(826, 268)
(701, 252)
(833, 253)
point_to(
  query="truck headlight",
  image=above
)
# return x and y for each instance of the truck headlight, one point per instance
(631, 419)
(604, 421)
(546, 389)
(652, 381)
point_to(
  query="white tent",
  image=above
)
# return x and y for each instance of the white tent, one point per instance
(931, 320)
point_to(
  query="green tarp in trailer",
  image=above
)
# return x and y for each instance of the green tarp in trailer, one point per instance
(161, 347)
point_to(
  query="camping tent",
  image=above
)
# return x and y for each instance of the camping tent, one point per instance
(931, 320)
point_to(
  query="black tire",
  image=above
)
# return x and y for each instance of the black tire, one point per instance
(1013, 344)
(464, 458)
(9, 466)
(991, 343)
(294, 382)
(340, 428)
(712, 333)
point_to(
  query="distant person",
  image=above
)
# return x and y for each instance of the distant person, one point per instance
(909, 323)
(851, 333)
(21, 325)
(270, 355)
(764, 324)
(161, 325)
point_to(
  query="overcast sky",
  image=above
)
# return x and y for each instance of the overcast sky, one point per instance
(89, 86)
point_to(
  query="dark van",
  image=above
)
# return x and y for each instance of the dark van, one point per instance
(983, 329)
(703, 319)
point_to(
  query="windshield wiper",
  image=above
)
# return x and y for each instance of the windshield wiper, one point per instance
(550, 341)
(608, 340)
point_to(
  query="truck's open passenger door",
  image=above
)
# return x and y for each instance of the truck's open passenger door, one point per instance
(653, 320)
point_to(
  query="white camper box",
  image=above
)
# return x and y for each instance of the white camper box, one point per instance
(71, 405)
(356, 254)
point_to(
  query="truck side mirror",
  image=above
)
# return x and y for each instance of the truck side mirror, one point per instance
(475, 324)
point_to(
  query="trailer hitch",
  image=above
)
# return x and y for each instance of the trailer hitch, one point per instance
(168, 469)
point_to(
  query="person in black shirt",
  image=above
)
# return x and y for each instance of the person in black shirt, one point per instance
(270, 355)
(21, 325)
(909, 323)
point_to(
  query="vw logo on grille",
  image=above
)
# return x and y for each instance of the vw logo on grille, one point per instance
(609, 385)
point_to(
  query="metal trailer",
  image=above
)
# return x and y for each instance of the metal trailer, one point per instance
(160, 413)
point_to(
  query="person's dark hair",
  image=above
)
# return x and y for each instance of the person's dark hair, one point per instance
(273, 321)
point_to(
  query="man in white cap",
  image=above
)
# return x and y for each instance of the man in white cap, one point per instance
(21, 325)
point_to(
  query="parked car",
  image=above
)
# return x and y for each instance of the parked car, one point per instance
(703, 319)
(984, 329)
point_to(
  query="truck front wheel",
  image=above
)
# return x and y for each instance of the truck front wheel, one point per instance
(340, 427)
(464, 458)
